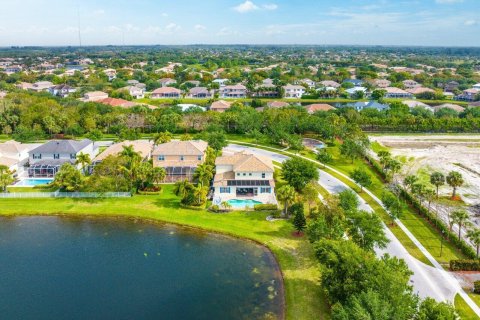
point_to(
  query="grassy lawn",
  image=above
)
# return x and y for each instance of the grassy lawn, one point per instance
(45, 188)
(303, 293)
(464, 311)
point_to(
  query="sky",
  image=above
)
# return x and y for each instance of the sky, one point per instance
(143, 22)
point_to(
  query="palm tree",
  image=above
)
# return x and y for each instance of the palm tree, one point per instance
(474, 236)
(460, 217)
(131, 155)
(203, 173)
(162, 137)
(454, 180)
(83, 159)
(286, 194)
(6, 177)
(158, 174)
(182, 187)
(437, 179)
(429, 196)
(409, 181)
(226, 205)
(200, 192)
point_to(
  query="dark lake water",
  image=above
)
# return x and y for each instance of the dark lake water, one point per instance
(63, 268)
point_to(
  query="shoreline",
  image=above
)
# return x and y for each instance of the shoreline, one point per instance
(271, 255)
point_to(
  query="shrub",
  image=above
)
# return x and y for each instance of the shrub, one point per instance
(476, 286)
(465, 265)
(265, 207)
(214, 208)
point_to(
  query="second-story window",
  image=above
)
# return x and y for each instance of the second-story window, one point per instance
(263, 175)
(37, 156)
(182, 158)
(56, 156)
(161, 158)
(73, 156)
(199, 158)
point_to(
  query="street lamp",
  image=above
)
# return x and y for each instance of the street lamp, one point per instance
(441, 242)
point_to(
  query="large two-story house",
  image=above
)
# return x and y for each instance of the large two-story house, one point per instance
(46, 160)
(235, 91)
(293, 91)
(244, 176)
(179, 158)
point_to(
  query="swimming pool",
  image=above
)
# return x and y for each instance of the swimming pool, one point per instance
(31, 182)
(242, 203)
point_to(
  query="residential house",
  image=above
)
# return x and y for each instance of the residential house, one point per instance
(381, 83)
(310, 83)
(393, 92)
(165, 82)
(234, 91)
(362, 105)
(179, 158)
(274, 105)
(220, 82)
(61, 90)
(46, 159)
(353, 91)
(293, 91)
(452, 86)
(243, 176)
(265, 90)
(312, 108)
(111, 74)
(41, 86)
(451, 106)
(410, 84)
(143, 147)
(189, 106)
(114, 102)
(469, 95)
(13, 69)
(194, 83)
(134, 91)
(94, 96)
(200, 93)
(420, 90)
(330, 84)
(166, 92)
(14, 155)
(355, 82)
(413, 104)
(220, 106)
(476, 86)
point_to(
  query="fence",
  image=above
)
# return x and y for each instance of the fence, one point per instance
(24, 195)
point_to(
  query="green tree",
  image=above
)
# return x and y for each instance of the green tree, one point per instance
(324, 157)
(437, 179)
(286, 194)
(299, 221)
(204, 174)
(182, 187)
(186, 137)
(474, 236)
(68, 178)
(362, 178)
(460, 217)
(409, 181)
(310, 195)
(393, 205)
(366, 230)
(365, 305)
(226, 205)
(454, 180)
(299, 172)
(158, 175)
(217, 140)
(348, 200)
(83, 159)
(162, 137)
(430, 309)
(354, 148)
(6, 177)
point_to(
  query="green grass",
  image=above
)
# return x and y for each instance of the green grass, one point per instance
(303, 293)
(464, 311)
(475, 297)
(45, 188)
(377, 147)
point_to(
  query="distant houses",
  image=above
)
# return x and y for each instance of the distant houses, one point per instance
(166, 93)
(233, 91)
(397, 93)
(293, 91)
(220, 106)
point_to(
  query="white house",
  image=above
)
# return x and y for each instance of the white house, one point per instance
(46, 160)
(134, 91)
(243, 176)
(14, 154)
(61, 90)
(476, 86)
(293, 91)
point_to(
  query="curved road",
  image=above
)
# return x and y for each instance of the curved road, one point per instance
(426, 280)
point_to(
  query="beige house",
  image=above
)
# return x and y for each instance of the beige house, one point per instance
(94, 96)
(179, 158)
(244, 179)
(143, 147)
(220, 106)
(166, 92)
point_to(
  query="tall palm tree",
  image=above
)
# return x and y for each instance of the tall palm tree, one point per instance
(83, 159)
(200, 193)
(460, 217)
(162, 137)
(158, 174)
(437, 179)
(454, 180)
(286, 194)
(203, 173)
(474, 236)
(182, 187)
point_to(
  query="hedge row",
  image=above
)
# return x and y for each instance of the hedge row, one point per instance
(465, 265)
(476, 286)
(464, 247)
(265, 207)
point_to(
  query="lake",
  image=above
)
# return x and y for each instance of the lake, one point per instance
(75, 268)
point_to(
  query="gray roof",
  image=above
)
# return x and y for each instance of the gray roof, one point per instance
(62, 146)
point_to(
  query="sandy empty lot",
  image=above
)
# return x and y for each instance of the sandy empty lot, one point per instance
(424, 154)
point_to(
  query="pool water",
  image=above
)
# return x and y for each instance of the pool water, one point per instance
(242, 203)
(33, 182)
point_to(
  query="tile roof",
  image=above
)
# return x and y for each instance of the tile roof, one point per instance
(62, 146)
(242, 161)
(143, 147)
(181, 148)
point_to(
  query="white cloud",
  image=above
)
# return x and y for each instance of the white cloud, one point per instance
(448, 1)
(270, 6)
(200, 27)
(98, 13)
(247, 6)
(172, 26)
(470, 22)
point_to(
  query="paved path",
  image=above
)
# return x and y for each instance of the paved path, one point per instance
(428, 281)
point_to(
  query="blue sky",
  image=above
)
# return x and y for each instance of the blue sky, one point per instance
(367, 22)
